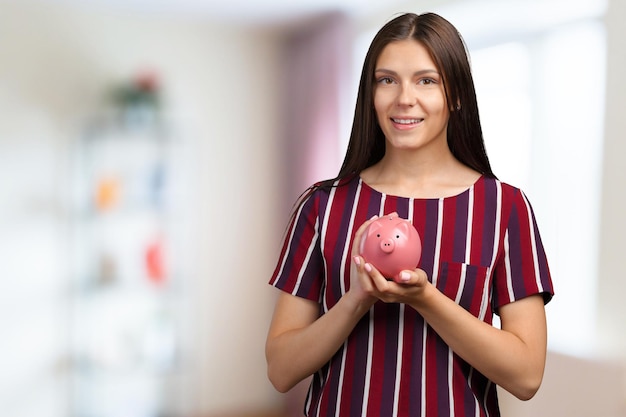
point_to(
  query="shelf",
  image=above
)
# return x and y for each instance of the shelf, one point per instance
(126, 285)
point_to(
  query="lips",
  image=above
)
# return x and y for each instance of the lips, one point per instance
(405, 121)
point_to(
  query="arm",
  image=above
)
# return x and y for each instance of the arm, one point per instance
(512, 357)
(300, 341)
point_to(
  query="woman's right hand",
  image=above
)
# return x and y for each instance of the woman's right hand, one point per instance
(362, 288)
(300, 341)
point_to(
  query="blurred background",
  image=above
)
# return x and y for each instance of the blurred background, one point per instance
(150, 152)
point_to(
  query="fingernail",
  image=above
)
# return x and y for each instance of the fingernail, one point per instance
(405, 276)
(368, 267)
(357, 260)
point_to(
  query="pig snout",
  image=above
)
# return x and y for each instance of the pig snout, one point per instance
(387, 245)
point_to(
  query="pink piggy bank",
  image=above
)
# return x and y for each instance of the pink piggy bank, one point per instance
(392, 245)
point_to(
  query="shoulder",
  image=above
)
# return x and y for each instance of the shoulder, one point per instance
(503, 198)
(505, 190)
(515, 206)
(316, 196)
(514, 195)
(325, 187)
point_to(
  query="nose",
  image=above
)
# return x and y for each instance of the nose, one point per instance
(387, 245)
(407, 95)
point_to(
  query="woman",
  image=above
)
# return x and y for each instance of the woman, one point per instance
(422, 345)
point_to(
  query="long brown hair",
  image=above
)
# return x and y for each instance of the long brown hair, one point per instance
(449, 52)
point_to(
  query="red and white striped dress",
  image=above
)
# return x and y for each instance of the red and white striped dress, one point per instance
(480, 248)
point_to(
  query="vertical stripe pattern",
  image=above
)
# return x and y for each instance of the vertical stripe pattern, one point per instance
(481, 248)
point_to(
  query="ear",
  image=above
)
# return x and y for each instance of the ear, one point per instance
(373, 228)
(404, 229)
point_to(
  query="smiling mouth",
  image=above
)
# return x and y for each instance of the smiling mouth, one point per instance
(407, 121)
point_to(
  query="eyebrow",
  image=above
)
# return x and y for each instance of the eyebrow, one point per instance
(416, 73)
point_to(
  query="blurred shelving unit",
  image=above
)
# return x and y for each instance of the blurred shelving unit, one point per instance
(127, 285)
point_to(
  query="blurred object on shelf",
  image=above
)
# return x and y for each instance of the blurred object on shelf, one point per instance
(107, 193)
(155, 263)
(139, 99)
(107, 271)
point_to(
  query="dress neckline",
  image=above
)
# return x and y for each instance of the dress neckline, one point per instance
(386, 195)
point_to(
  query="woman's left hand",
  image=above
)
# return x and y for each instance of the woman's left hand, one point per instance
(406, 288)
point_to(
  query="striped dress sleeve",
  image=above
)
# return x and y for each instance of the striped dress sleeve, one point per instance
(522, 269)
(299, 270)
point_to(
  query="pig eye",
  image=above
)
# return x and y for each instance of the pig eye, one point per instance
(377, 234)
(397, 236)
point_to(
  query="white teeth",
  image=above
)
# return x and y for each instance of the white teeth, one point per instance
(406, 121)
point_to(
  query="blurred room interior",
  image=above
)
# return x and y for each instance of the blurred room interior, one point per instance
(150, 153)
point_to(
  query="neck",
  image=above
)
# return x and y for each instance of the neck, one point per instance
(418, 165)
(414, 175)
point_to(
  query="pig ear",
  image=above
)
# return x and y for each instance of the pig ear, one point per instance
(374, 227)
(403, 227)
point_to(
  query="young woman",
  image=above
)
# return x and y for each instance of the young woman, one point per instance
(424, 344)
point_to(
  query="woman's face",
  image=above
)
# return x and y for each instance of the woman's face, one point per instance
(409, 97)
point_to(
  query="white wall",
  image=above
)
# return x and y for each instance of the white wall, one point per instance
(612, 285)
(221, 85)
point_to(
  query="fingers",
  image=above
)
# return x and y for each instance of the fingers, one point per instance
(404, 288)
(360, 281)
(379, 283)
(369, 273)
(356, 247)
(404, 277)
(400, 284)
(416, 277)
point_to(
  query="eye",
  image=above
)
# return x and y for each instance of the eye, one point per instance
(427, 81)
(397, 236)
(385, 80)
